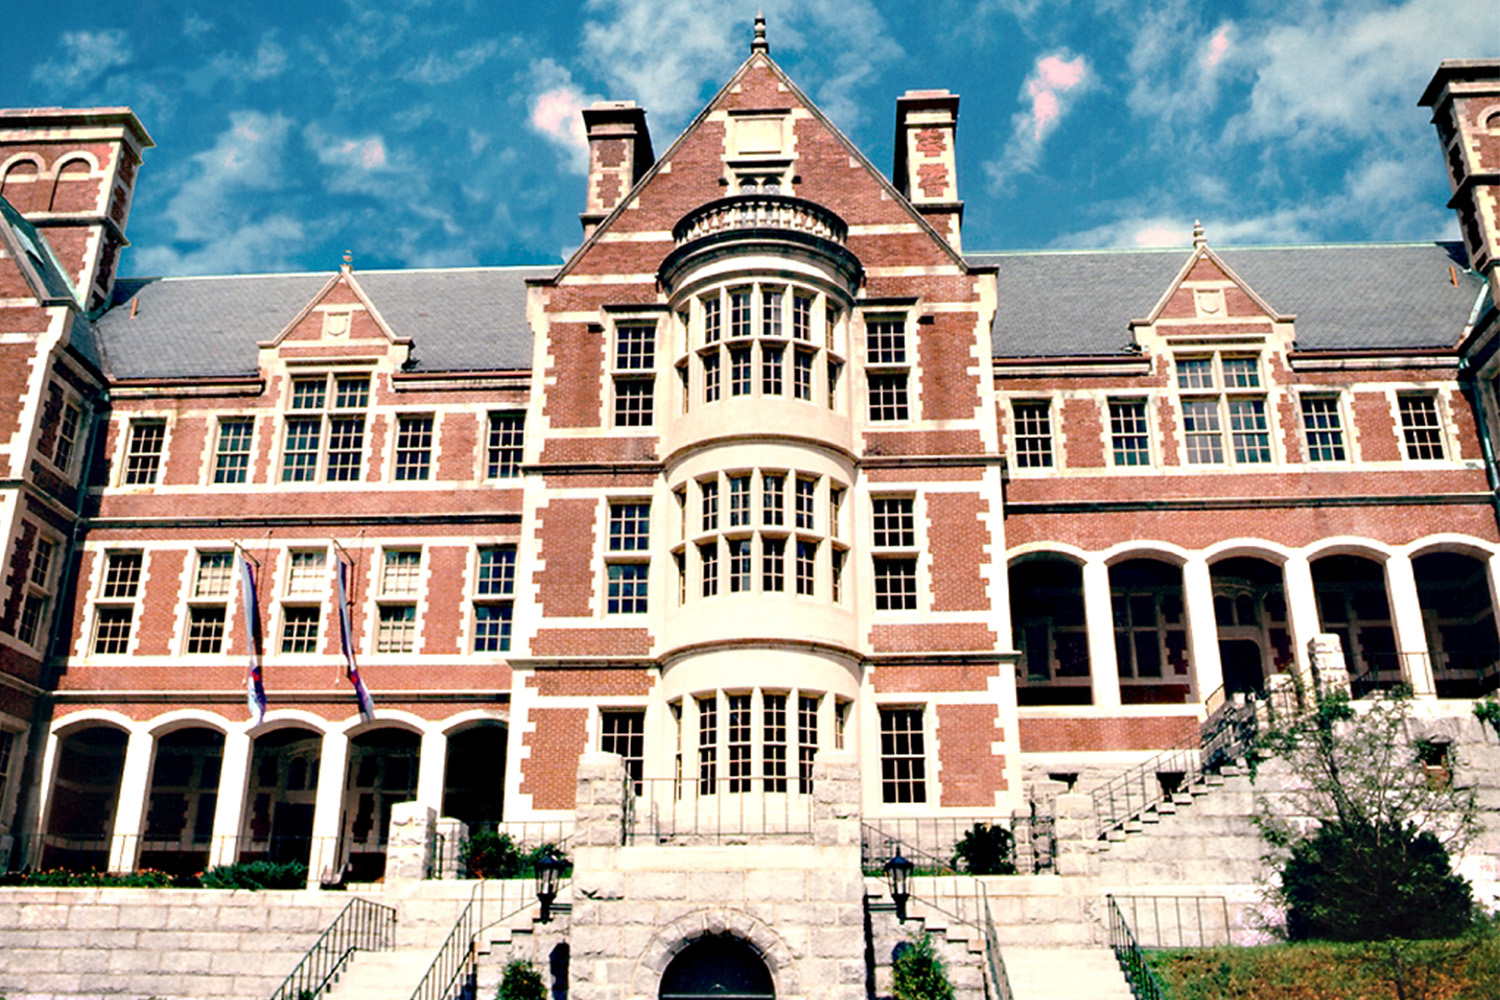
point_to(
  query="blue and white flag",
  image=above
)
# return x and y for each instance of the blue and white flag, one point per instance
(346, 640)
(255, 688)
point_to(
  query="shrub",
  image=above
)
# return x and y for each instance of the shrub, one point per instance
(256, 875)
(986, 850)
(521, 981)
(62, 878)
(490, 855)
(918, 973)
(1365, 883)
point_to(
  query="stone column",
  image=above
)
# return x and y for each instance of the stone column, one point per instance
(328, 812)
(1329, 670)
(598, 816)
(229, 806)
(432, 769)
(410, 843)
(1098, 612)
(836, 800)
(1406, 617)
(130, 808)
(1074, 832)
(1301, 608)
(452, 833)
(1203, 628)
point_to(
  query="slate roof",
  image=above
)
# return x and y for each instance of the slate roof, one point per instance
(459, 319)
(1050, 304)
(1370, 295)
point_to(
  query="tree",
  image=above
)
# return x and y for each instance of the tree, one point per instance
(1377, 864)
(918, 972)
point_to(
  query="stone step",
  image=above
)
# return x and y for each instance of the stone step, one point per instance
(380, 975)
(1064, 974)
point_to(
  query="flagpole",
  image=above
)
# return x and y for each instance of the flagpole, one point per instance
(346, 633)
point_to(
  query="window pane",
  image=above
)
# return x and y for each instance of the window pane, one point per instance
(397, 632)
(1247, 429)
(739, 565)
(635, 347)
(143, 456)
(739, 742)
(633, 401)
(1419, 425)
(352, 392)
(627, 588)
(773, 565)
(713, 320)
(888, 396)
(492, 627)
(299, 629)
(894, 522)
(739, 501)
(739, 371)
(205, 629)
(807, 740)
(770, 369)
(309, 393)
(232, 456)
(739, 312)
(773, 500)
(1033, 434)
(214, 573)
(346, 442)
(1241, 373)
(711, 377)
(770, 312)
(1195, 373)
(710, 501)
(112, 630)
(122, 575)
(414, 447)
(895, 584)
(300, 459)
(629, 527)
(802, 317)
(885, 341)
(1324, 428)
(507, 431)
(401, 572)
(807, 556)
(806, 500)
(624, 733)
(67, 436)
(497, 570)
(773, 742)
(903, 765)
(708, 558)
(308, 575)
(1129, 440)
(1200, 422)
(802, 375)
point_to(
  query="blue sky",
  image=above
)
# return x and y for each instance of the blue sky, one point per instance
(437, 133)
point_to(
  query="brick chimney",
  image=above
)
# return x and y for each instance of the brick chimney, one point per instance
(1465, 99)
(71, 173)
(619, 155)
(926, 169)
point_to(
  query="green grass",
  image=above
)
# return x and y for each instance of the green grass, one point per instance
(1463, 969)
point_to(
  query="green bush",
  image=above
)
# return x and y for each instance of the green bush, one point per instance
(918, 973)
(1359, 882)
(256, 875)
(986, 850)
(490, 855)
(62, 878)
(521, 981)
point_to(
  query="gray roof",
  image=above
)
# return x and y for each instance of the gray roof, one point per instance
(1373, 296)
(461, 319)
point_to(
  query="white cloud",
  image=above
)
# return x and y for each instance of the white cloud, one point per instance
(445, 67)
(1054, 84)
(86, 56)
(555, 111)
(1350, 68)
(267, 62)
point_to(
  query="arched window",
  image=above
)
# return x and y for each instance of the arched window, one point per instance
(717, 966)
(19, 185)
(76, 169)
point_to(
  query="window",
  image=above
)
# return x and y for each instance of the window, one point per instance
(895, 539)
(806, 497)
(1129, 439)
(307, 574)
(494, 589)
(401, 573)
(325, 441)
(205, 629)
(711, 377)
(122, 576)
(207, 613)
(413, 446)
(113, 622)
(773, 499)
(754, 342)
(888, 397)
(710, 504)
(67, 436)
(299, 628)
(773, 742)
(836, 575)
(713, 320)
(708, 560)
(773, 565)
(112, 630)
(770, 369)
(635, 361)
(739, 371)
(629, 535)
(6, 741)
(1206, 412)
(1033, 433)
(38, 598)
(1323, 426)
(770, 311)
(802, 375)
(506, 439)
(1420, 427)
(739, 565)
(739, 501)
(397, 630)
(708, 745)
(215, 571)
(143, 451)
(885, 354)
(232, 450)
(802, 317)
(739, 742)
(807, 740)
(739, 313)
(840, 722)
(903, 756)
(624, 733)
(807, 561)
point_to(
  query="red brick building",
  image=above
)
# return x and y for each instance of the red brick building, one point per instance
(772, 464)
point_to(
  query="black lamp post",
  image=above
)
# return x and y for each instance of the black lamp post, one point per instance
(897, 871)
(548, 867)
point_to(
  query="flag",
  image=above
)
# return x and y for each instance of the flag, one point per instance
(255, 688)
(346, 640)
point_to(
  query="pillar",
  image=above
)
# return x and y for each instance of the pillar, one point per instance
(1492, 573)
(1406, 617)
(229, 807)
(328, 812)
(1203, 627)
(1301, 608)
(432, 767)
(130, 807)
(1098, 612)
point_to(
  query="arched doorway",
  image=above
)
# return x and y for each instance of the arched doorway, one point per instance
(1151, 642)
(474, 778)
(1352, 604)
(1047, 622)
(85, 793)
(283, 792)
(717, 967)
(1255, 640)
(180, 805)
(383, 766)
(1454, 591)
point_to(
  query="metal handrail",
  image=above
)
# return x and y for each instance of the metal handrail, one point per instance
(994, 962)
(1179, 921)
(1143, 982)
(363, 925)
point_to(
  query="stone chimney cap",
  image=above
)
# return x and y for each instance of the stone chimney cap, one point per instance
(611, 104)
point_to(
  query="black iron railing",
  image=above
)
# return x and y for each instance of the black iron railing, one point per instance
(1143, 982)
(718, 810)
(362, 926)
(1177, 921)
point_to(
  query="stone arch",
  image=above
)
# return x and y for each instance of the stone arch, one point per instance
(1249, 548)
(1133, 550)
(188, 718)
(20, 180)
(715, 964)
(1464, 545)
(72, 167)
(1030, 550)
(675, 937)
(1049, 623)
(83, 796)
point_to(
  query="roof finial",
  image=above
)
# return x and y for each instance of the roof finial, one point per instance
(1199, 240)
(348, 259)
(759, 44)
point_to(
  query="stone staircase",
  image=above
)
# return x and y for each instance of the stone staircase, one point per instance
(1073, 973)
(382, 975)
(960, 945)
